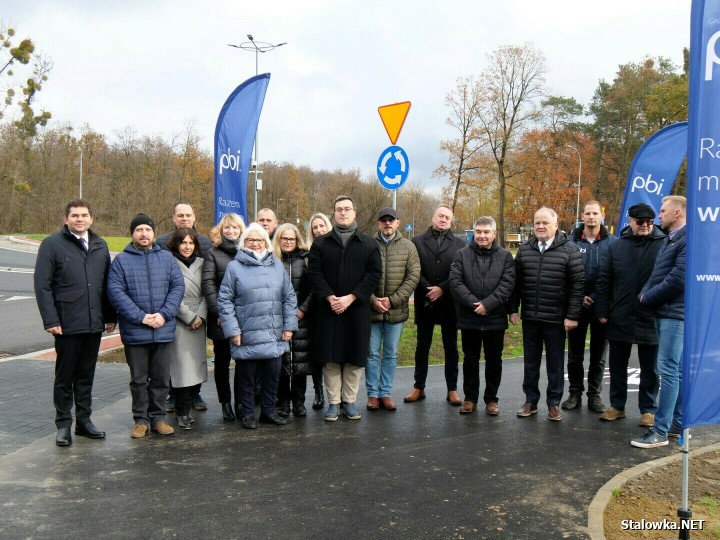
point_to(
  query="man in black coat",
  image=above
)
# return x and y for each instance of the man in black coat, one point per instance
(345, 269)
(628, 266)
(70, 289)
(549, 286)
(434, 303)
(482, 278)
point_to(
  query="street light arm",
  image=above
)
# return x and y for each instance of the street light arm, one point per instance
(577, 209)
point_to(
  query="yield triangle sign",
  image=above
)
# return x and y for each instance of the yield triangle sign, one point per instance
(393, 117)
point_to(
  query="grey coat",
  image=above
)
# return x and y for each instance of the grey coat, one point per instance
(189, 362)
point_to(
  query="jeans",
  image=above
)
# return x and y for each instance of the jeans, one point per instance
(535, 334)
(619, 357)
(492, 341)
(149, 380)
(669, 365)
(380, 373)
(576, 354)
(422, 352)
(269, 372)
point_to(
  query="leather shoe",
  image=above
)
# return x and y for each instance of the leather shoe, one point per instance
(387, 403)
(527, 409)
(319, 401)
(373, 404)
(415, 395)
(573, 401)
(228, 414)
(89, 430)
(453, 398)
(272, 418)
(249, 422)
(554, 413)
(468, 407)
(492, 409)
(63, 437)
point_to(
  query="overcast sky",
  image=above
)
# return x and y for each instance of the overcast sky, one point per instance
(154, 65)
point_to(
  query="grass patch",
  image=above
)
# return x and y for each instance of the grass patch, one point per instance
(616, 492)
(115, 243)
(711, 505)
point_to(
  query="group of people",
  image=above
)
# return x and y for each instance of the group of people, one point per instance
(283, 308)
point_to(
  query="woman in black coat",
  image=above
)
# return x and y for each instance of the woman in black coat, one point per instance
(224, 238)
(290, 248)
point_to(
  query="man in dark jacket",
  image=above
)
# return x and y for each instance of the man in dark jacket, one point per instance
(482, 278)
(70, 289)
(184, 216)
(146, 287)
(592, 239)
(628, 266)
(345, 269)
(549, 286)
(434, 303)
(665, 293)
(390, 308)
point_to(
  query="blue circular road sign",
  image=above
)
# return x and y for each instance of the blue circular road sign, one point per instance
(393, 167)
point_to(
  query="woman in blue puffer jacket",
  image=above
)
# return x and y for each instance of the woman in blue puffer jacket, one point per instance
(258, 312)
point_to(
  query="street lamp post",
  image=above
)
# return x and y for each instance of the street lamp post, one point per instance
(577, 210)
(257, 47)
(81, 155)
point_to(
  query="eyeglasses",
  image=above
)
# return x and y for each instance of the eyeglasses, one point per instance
(345, 210)
(643, 221)
(288, 240)
(253, 240)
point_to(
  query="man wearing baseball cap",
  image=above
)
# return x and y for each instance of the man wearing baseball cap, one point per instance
(390, 308)
(628, 266)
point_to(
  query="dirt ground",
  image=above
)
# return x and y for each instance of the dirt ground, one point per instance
(656, 495)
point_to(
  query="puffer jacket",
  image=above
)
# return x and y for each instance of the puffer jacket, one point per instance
(401, 274)
(665, 289)
(213, 272)
(257, 301)
(295, 264)
(142, 282)
(628, 266)
(593, 255)
(549, 286)
(482, 275)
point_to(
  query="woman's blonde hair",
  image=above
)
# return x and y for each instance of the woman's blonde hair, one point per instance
(317, 215)
(299, 242)
(233, 219)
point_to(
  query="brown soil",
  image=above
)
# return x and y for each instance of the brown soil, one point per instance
(656, 496)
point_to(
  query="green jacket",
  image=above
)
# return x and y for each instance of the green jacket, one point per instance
(400, 276)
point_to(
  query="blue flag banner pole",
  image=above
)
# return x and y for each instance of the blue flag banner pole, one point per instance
(654, 169)
(234, 138)
(701, 358)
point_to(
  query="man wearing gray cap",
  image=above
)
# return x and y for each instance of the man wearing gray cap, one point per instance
(390, 308)
(628, 266)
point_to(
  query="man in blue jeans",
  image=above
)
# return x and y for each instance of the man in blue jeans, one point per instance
(390, 308)
(665, 293)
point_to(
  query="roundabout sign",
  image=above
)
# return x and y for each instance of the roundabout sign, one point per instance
(393, 167)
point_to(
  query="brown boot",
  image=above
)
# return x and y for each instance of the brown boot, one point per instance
(415, 395)
(468, 407)
(139, 431)
(453, 398)
(163, 428)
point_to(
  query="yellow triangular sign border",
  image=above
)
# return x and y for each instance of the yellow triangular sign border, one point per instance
(393, 118)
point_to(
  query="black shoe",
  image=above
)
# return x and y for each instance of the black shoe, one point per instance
(299, 409)
(170, 404)
(249, 422)
(319, 402)
(595, 404)
(573, 401)
(198, 403)
(283, 409)
(184, 421)
(272, 418)
(228, 414)
(89, 430)
(63, 437)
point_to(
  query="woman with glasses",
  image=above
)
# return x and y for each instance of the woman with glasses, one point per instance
(289, 247)
(258, 312)
(188, 369)
(319, 225)
(224, 238)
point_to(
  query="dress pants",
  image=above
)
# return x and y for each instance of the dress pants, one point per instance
(422, 352)
(535, 335)
(74, 374)
(269, 370)
(149, 380)
(221, 348)
(493, 342)
(619, 358)
(342, 382)
(292, 389)
(576, 354)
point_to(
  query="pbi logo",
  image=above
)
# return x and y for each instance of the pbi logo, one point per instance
(647, 184)
(230, 161)
(711, 57)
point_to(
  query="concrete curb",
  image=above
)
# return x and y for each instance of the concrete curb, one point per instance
(596, 510)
